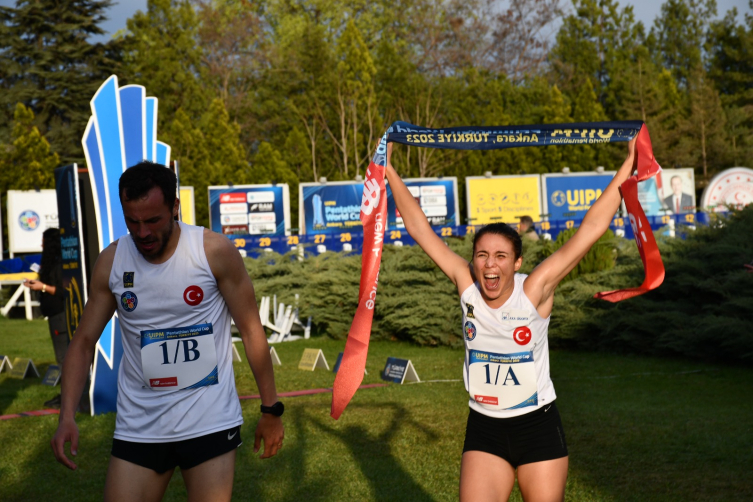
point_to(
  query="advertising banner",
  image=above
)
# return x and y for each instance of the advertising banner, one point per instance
(677, 190)
(330, 207)
(731, 188)
(569, 196)
(187, 205)
(71, 244)
(30, 213)
(437, 197)
(250, 209)
(671, 192)
(502, 199)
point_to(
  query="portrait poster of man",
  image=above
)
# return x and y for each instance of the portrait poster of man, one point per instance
(678, 190)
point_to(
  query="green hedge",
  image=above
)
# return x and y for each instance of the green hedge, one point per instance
(703, 309)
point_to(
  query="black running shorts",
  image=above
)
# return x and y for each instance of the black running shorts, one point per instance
(161, 457)
(533, 437)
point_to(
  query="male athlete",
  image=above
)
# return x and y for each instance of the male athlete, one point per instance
(175, 288)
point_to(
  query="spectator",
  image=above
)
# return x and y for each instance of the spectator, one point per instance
(526, 228)
(50, 285)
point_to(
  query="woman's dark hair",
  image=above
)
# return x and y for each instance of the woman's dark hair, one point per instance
(505, 231)
(136, 182)
(51, 254)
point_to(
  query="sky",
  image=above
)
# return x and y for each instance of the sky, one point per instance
(645, 11)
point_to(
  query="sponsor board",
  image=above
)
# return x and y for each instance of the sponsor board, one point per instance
(259, 209)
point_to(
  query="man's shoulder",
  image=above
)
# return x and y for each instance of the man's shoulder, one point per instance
(216, 243)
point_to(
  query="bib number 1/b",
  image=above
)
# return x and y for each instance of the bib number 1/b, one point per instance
(179, 358)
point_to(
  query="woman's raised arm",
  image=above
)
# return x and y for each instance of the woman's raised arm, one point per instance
(545, 278)
(454, 266)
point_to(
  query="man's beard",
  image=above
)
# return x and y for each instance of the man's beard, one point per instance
(157, 253)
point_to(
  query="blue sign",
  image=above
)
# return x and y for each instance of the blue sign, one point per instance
(121, 132)
(569, 196)
(250, 209)
(337, 364)
(650, 198)
(71, 244)
(437, 197)
(332, 207)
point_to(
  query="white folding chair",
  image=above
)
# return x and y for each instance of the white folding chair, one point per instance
(264, 310)
(284, 323)
(297, 323)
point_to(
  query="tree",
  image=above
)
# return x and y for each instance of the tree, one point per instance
(236, 51)
(352, 129)
(26, 163)
(702, 133)
(48, 64)
(592, 44)
(678, 35)
(209, 153)
(161, 53)
(730, 49)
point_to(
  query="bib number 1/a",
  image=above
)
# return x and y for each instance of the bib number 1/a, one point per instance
(502, 381)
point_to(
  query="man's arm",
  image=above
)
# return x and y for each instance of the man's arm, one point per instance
(238, 292)
(98, 311)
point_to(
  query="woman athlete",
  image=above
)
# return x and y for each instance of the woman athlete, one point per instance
(513, 424)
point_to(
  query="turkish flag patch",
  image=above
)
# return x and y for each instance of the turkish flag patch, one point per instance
(193, 295)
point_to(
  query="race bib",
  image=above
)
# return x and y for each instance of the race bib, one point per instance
(179, 358)
(502, 381)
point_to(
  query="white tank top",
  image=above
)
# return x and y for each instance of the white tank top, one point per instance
(176, 378)
(506, 369)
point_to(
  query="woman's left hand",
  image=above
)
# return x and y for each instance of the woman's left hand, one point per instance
(33, 284)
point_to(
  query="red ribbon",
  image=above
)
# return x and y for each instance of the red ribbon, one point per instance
(644, 237)
(374, 218)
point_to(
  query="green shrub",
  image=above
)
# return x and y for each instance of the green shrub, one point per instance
(703, 309)
(601, 256)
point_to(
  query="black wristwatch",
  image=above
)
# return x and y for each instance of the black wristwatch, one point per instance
(276, 409)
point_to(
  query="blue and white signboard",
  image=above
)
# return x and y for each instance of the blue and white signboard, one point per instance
(569, 196)
(437, 197)
(30, 213)
(330, 207)
(121, 132)
(250, 209)
(399, 371)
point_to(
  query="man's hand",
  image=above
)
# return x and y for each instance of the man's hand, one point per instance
(67, 432)
(270, 430)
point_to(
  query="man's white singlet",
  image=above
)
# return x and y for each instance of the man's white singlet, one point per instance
(506, 369)
(158, 358)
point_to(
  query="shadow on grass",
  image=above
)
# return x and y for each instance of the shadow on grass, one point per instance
(11, 388)
(38, 476)
(375, 456)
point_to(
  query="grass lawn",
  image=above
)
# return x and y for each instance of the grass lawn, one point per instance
(638, 429)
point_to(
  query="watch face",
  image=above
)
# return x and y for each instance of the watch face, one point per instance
(276, 409)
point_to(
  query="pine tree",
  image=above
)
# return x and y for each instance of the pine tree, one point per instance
(162, 54)
(679, 33)
(730, 48)
(49, 65)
